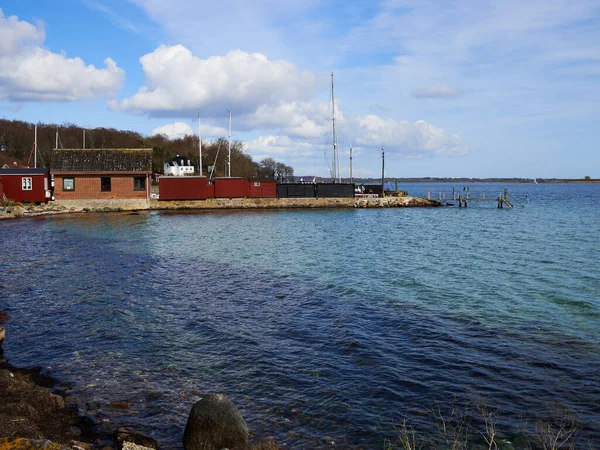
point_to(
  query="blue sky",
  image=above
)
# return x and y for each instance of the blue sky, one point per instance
(449, 88)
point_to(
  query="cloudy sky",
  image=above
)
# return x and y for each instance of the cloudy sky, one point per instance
(448, 88)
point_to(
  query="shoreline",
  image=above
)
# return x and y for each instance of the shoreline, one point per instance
(234, 204)
(36, 409)
(37, 412)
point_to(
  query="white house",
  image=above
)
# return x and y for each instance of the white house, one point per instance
(179, 166)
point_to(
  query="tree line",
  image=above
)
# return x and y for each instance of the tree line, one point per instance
(17, 138)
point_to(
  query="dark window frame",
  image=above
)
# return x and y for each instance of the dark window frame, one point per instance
(104, 185)
(68, 189)
(27, 183)
(143, 183)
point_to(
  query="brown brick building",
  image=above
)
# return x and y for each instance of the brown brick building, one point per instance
(101, 174)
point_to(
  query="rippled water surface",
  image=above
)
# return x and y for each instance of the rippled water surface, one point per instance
(322, 326)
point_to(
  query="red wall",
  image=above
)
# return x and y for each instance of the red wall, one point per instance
(210, 191)
(231, 188)
(12, 186)
(266, 189)
(87, 187)
(182, 188)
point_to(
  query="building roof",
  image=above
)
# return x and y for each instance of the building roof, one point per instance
(102, 160)
(181, 161)
(23, 171)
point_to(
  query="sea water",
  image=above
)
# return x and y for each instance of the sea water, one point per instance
(325, 327)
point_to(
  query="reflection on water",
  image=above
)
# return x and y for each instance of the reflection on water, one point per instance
(320, 325)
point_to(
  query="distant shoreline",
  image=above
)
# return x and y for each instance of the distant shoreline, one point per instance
(427, 180)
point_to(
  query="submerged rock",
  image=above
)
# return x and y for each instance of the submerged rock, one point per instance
(125, 437)
(215, 423)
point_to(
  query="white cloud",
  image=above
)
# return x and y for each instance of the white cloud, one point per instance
(418, 138)
(174, 130)
(278, 147)
(440, 91)
(181, 129)
(29, 72)
(298, 119)
(178, 82)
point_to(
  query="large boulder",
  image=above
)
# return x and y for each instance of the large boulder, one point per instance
(2, 336)
(215, 423)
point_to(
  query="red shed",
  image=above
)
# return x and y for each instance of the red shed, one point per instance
(26, 185)
(182, 188)
(210, 189)
(231, 188)
(263, 188)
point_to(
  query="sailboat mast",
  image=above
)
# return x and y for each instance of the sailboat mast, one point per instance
(199, 146)
(382, 172)
(35, 149)
(229, 149)
(336, 163)
(350, 164)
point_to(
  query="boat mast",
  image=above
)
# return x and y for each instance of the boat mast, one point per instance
(336, 163)
(350, 164)
(229, 149)
(199, 146)
(35, 149)
(382, 172)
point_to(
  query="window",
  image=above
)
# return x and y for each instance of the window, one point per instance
(257, 183)
(105, 184)
(26, 183)
(139, 183)
(68, 184)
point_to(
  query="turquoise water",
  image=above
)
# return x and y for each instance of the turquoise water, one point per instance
(322, 326)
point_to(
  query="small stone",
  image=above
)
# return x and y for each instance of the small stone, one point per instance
(125, 435)
(58, 401)
(120, 404)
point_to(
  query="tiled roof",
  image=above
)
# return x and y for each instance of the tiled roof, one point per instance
(102, 160)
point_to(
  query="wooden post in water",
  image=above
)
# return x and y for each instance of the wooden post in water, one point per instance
(499, 201)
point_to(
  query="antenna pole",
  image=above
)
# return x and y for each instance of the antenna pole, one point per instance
(229, 149)
(199, 146)
(350, 164)
(35, 149)
(382, 172)
(335, 150)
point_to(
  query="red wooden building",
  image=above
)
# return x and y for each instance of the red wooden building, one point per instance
(183, 188)
(262, 188)
(26, 185)
(199, 188)
(231, 188)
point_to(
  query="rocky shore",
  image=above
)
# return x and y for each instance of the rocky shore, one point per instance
(83, 206)
(37, 413)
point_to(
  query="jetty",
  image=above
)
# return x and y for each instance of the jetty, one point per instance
(503, 198)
